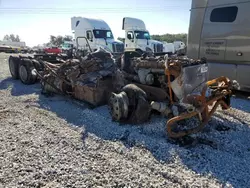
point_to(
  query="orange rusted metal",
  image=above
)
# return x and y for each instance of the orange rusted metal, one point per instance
(97, 95)
(202, 104)
(217, 80)
(169, 87)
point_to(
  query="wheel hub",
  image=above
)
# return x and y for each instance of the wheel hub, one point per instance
(119, 106)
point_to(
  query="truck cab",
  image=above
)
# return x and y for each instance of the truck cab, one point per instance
(219, 31)
(66, 46)
(179, 45)
(137, 37)
(98, 34)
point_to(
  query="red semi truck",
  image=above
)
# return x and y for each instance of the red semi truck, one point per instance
(52, 50)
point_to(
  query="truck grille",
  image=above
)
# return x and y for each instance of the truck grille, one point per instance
(117, 47)
(158, 48)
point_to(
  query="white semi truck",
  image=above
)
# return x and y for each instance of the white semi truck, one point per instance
(137, 38)
(179, 45)
(94, 33)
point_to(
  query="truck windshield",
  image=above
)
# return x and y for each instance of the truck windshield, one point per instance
(66, 45)
(142, 35)
(103, 34)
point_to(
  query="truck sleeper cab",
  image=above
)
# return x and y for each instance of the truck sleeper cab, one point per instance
(98, 34)
(220, 31)
(137, 37)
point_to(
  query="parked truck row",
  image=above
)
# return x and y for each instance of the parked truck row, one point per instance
(99, 34)
(137, 37)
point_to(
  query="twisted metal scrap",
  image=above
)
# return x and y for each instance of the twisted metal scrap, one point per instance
(202, 103)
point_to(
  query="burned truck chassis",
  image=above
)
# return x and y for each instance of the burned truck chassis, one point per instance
(134, 87)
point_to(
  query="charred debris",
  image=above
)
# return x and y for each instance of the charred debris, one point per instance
(133, 87)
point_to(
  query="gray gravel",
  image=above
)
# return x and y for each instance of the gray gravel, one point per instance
(53, 142)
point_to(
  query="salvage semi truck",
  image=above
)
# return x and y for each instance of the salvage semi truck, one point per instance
(168, 85)
(176, 87)
(219, 31)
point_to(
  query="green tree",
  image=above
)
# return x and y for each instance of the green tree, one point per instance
(171, 37)
(68, 38)
(12, 38)
(166, 37)
(58, 40)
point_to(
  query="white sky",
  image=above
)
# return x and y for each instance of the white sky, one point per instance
(34, 21)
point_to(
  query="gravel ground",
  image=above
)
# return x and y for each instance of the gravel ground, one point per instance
(52, 142)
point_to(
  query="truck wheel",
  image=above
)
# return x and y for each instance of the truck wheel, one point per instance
(38, 66)
(14, 66)
(26, 73)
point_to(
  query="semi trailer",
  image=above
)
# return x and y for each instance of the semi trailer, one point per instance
(219, 31)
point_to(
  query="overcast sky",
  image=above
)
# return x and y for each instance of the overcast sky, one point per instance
(34, 21)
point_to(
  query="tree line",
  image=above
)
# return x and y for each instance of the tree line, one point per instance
(59, 40)
(167, 37)
(171, 37)
(12, 38)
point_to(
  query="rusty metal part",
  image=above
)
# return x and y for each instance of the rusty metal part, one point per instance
(169, 87)
(205, 116)
(56, 75)
(147, 64)
(154, 93)
(95, 95)
(55, 85)
(202, 104)
(173, 67)
(48, 86)
(161, 107)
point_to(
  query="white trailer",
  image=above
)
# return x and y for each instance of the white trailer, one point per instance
(169, 47)
(98, 34)
(219, 31)
(179, 45)
(13, 44)
(12, 47)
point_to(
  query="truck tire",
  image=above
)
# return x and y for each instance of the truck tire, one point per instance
(25, 72)
(38, 66)
(14, 66)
